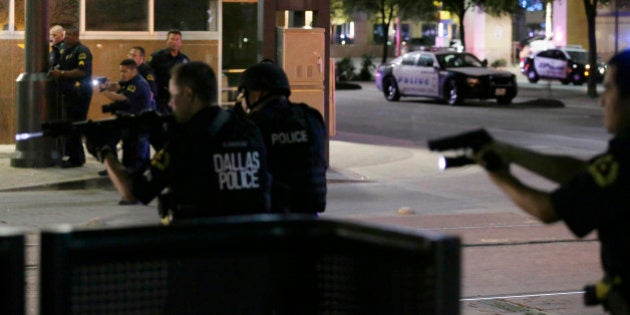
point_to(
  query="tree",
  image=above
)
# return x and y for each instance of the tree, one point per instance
(386, 11)
(590, 8)
(492, 7)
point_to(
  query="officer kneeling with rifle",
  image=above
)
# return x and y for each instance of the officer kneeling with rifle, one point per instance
(131, 95)
(213, 163)
(592, 195)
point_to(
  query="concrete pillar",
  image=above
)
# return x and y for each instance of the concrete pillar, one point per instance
(33, 106)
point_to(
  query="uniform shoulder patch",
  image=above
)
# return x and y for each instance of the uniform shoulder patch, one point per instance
(131, 88)
(161, 160)
(150, 77)
(82, 56)
(604, 170)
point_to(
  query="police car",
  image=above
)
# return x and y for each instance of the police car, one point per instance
(445, 75)
(568, 65)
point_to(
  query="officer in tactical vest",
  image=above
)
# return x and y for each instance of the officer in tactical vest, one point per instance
(295, 137)
(592, 195)
(214, 162)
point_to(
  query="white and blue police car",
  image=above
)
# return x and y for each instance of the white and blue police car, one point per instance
(566, 64)
(444, 75)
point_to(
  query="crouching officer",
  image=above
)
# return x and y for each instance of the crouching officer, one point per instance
(592, 195)
(214, 163)
(295, 137)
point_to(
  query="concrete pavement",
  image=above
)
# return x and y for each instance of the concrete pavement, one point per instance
(511, 264)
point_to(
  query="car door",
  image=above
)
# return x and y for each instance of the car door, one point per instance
(551, 64)
(405, 72)
(426, 76)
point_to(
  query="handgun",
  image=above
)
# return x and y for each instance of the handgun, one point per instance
(470, 142)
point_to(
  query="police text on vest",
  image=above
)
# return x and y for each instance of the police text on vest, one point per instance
(237, 170)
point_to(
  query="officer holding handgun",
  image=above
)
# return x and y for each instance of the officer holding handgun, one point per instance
(214, 162)
(592, 195)
(133, 91)
(74, 74)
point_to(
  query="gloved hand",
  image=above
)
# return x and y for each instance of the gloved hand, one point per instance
(99, 142)
(102, 153)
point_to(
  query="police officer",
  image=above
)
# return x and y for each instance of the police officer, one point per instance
(57, 35)
(295, 137)
(213, 164)
(74, 75)
(162, 61)
(592, 195)
(137, 53)
(134, 92)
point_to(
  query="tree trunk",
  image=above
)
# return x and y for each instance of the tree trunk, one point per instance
(591, 13)
(462, 31)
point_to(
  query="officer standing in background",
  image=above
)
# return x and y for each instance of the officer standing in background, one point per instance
(593, 195)
(214, 162)
(137, 53)
(74, 75)
(295, 136)
(162, 61)
(131, 95)
(57, 36)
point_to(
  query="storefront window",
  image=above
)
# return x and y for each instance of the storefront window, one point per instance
(134, 15)
(107, 15)
(15, 22)
(195, 15)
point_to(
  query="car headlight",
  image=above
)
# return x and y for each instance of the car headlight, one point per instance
(472, 82)
(587, 66)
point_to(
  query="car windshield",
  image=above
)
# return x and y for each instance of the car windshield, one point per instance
(578, 56)
(458, 60)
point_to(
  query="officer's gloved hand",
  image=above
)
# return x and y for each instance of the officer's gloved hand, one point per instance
(102, 152)
(489, 158)
(97, 143)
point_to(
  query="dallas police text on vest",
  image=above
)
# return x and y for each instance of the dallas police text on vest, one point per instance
(237, 170)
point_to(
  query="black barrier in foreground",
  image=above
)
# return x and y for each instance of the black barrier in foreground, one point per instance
(250, 265)
(12, 289)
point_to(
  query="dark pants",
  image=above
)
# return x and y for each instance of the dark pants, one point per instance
(136, 150)
(75, 108)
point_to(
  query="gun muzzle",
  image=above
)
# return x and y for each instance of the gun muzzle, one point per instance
(447, 162)
(28, 135)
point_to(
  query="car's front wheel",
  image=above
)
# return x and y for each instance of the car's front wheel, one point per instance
(452, 95)
(504, 100)
(532, 76)
(390, 90)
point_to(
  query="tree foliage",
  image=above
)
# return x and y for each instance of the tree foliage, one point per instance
(492, 7)
(386, 11)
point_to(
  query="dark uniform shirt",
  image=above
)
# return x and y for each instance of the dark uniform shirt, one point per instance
(214, 165)
(147, 73)
(599, 199)
(77, 57)
(295, 137)
(162, 61)
(138, 94)
(55, 53)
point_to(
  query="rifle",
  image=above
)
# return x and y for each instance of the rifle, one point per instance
(147, 121)
(470, 142)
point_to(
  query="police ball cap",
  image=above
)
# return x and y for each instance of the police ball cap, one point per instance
(265, 76)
